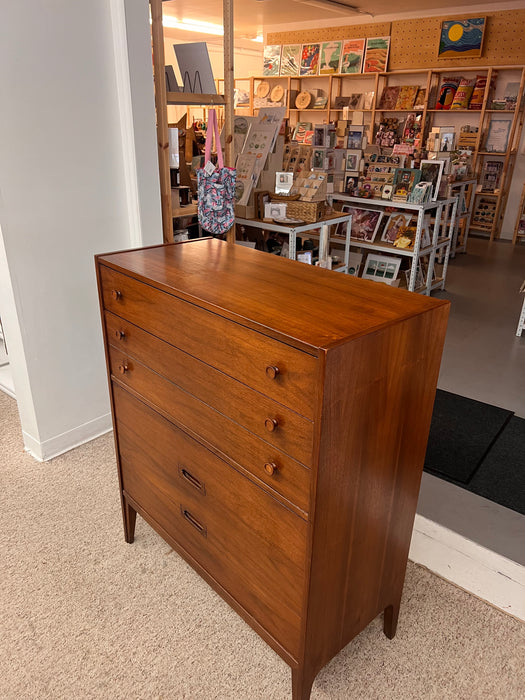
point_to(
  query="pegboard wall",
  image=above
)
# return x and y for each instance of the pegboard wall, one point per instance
(352, 31)
(414, 43)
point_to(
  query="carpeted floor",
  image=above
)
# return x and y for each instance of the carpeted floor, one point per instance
(84, 615)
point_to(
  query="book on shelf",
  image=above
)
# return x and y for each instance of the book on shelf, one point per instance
(406, 97)
(389, 97)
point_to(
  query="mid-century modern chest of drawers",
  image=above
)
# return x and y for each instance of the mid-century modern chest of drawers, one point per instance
(271, 422)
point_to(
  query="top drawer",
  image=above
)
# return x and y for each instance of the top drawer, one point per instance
(275, 369)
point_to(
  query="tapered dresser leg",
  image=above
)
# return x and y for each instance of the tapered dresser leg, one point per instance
(130, 518)
(390, 620)
(301, 684)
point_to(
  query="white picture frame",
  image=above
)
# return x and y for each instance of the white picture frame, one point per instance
(432, 171)
(381, 268)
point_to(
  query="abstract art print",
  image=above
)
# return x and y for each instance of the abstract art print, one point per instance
(291, 59)
(310, 59)
(271, 60)
(462, 37)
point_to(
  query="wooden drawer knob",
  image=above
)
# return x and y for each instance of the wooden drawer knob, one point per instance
(270, 424)
(116, 294)
(120, 335)
(271, 468)
(272, 371)
(123, 368)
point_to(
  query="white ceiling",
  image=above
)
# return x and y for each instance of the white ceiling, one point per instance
(252, 17)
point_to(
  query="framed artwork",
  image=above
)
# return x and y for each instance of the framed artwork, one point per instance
(354, 138)
(330, 57)
(352, 55)
(365, 223)
(460, 38)
(376, 54)
(353, 159)
(498, 135)
(381, 268)
(310, 59)
(431, 171)
(395, 222)
(271, 60)
(405, 180)
(446, 140)
(291, 59)
(351, 182)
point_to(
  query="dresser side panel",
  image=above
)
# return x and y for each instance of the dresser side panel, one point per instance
(378, 399)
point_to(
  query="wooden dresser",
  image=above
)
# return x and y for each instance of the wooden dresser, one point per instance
(271, 421)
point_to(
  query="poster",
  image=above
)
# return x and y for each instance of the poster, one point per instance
(352, 55)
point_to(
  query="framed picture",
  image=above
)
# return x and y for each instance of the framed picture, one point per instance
(446, 141)
(431, 171)
(396, 220)
(353, 159)
(310, 59)
(352, 56)
(354, 138)
(461, 38)
(271, 60)
(404, 181)
(381, 268)
(376, 54)
(365, 223)
(351, 182)
(330, 57)
(291, 59)
(498, 136)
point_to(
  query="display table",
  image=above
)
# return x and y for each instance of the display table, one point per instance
(320, 229)
(443, 212)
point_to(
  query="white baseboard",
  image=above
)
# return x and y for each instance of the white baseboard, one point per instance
(484, 573)
(42, 451)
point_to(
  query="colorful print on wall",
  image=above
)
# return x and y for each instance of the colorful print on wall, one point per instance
(352, 55)
(462, 37)
(376, 54)
(291, 59)
(330, 57)
(310, 59)
(271, 60)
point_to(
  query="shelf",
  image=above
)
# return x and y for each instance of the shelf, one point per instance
(194, 98)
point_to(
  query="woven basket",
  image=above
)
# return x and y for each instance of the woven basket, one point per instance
(310, 212)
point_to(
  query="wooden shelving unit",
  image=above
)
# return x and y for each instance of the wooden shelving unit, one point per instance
(163, 98)
(346, 84)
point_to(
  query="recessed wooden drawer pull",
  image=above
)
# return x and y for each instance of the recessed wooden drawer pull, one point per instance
(120, 335)
(272, 371)
(116, 294)
(271, 468)
(193, 521)
(270, 424)
(123, 368)
(185, 474)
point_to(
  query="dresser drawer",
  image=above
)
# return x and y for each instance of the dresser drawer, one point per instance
(271, 421)
(253, 547)
(269, 465)
(271, 367)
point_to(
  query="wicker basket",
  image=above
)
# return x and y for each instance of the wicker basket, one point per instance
(310, 212)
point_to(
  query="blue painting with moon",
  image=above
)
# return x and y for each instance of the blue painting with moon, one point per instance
(461, 37)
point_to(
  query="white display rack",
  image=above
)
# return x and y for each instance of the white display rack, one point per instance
(442, 211)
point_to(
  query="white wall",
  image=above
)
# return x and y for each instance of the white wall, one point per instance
(64, 196)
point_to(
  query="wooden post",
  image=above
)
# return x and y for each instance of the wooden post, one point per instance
(157, 33)
(228, 92)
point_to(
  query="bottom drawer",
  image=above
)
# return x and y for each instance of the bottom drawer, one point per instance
(248, 542)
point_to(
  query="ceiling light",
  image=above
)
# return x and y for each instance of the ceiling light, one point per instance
(335, 6)
(259, 39)
(193, 25)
